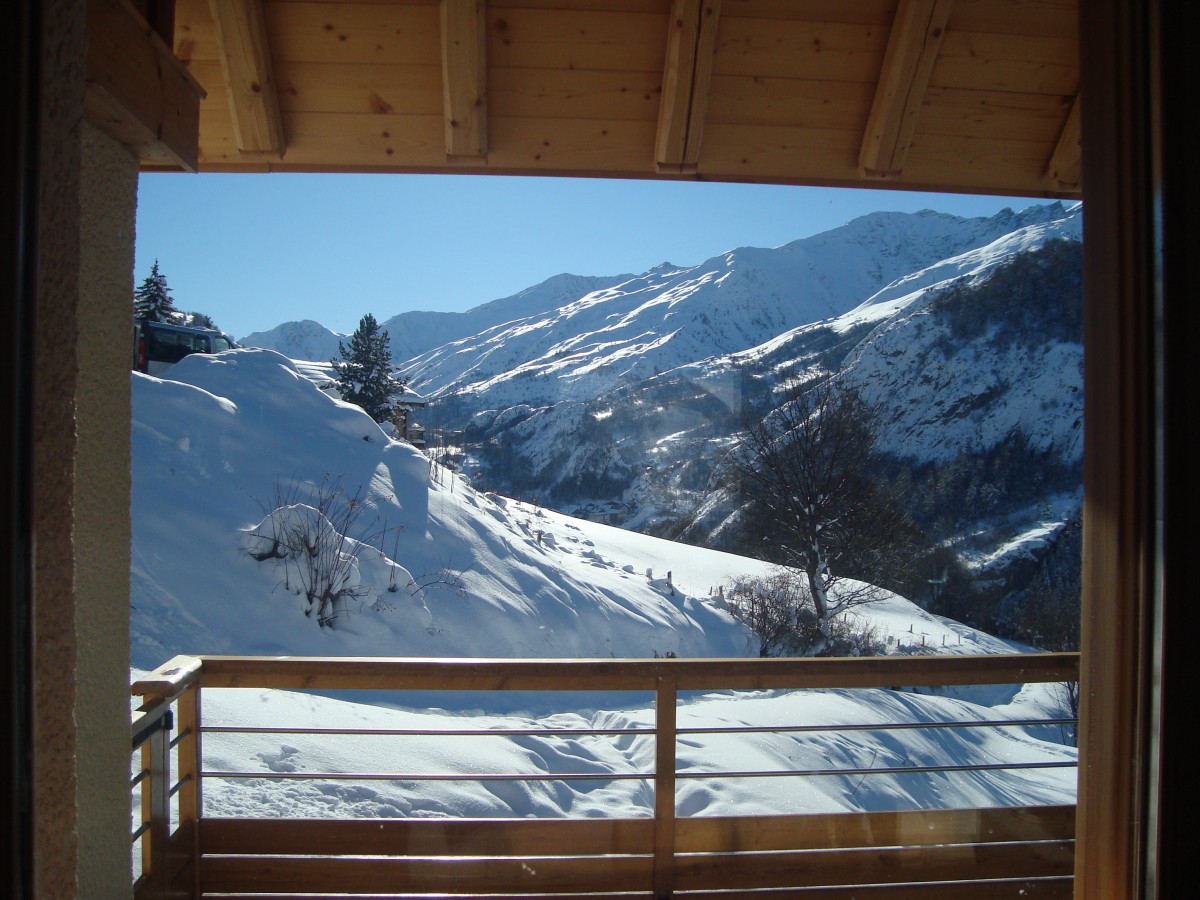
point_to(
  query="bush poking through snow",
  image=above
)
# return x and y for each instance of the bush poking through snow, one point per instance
(307, 532)
(780, 610)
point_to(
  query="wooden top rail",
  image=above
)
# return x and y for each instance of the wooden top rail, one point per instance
(169, 680)
(605, 675)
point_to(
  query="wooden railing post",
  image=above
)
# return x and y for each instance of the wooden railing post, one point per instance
(170, 861)
(190, 799)
(664, 786)
(156, 798)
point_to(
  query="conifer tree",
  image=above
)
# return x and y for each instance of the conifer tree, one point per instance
(152, 300)
(365, 375)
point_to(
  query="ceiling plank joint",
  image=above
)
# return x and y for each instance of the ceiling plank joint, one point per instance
(136, 90)
(464, 78)
(1063, 171)
(908, 62)
(687, 72)
(241, 33)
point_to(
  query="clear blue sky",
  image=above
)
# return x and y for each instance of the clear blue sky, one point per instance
(254, 251)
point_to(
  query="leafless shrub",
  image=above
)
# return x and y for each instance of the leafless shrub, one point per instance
(308, 529)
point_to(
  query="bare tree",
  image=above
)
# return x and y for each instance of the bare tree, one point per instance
(804, 470)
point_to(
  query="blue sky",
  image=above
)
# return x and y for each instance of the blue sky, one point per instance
(254, 251)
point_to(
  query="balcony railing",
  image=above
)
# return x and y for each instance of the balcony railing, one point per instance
(1024, 851)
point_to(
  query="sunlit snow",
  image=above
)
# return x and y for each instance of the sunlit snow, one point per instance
(441, 570)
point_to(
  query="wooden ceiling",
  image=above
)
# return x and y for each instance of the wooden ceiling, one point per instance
(960, 95)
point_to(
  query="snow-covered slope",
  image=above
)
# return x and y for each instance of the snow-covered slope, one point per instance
(597, 754)
(232, 441)
(229, 443)
(445, 571)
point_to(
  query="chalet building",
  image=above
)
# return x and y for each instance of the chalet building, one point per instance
(1046, 98)
(404, 422)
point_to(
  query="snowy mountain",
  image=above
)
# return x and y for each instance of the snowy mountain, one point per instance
(617, 398)
(414, 333)
(650, 438)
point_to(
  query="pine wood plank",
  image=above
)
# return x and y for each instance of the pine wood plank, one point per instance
(877, 829)
(973, 863)
(346, 87)
(860, 12)
(591, 674)
(1000, 166)
(789, 102)
(665, 713)
(913, 43)
(653, 7)
(691, 33)
(568, 39)
(1065, 166)
(427, 837)
(249, 76)
(417, 90)
(575, 94)
(999, 115)
(832, 51)
(1062, 888)
(741, 152)
(1003, 62)
(1037, 18)
(136, 90)
(401, 34)
(170, 679)
(465, 876)
(464, 77)
(394, 143)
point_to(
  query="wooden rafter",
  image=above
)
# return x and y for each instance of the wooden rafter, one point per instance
(464, 77)
(691, 40)
(241, 34)
(137, 91)
(912, 49)
(1064, 167)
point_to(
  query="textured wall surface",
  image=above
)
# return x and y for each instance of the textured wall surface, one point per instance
(102, 529)
(87, 197)
(55, 378)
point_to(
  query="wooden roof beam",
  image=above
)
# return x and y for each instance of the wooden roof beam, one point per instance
(464, 78)
(1063, 170)
(137, 91)
(241, 32)
(912, 49)
(691, 41)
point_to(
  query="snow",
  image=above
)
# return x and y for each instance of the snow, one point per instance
(226, 441)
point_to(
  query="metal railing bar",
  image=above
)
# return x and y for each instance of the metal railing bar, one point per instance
(419, 732)
(897, 726)
(178, 739)
(881, 770)
(139, 778)
(631, 776)
(177, 786)
(432, 776)
(140, 831)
